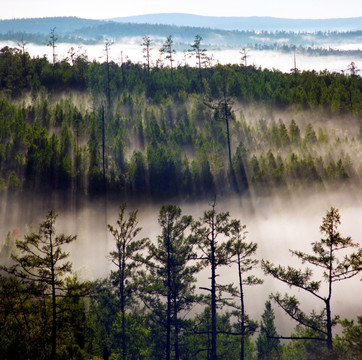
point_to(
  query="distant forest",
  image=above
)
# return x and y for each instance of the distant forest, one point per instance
(82, 31)
(88, 128)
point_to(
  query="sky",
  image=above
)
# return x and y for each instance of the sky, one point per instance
(105, 9)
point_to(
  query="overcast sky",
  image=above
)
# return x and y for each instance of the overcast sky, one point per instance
(104, 9)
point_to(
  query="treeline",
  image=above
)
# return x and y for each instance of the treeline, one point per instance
(334, 92)
(146, 307)
(306, 50)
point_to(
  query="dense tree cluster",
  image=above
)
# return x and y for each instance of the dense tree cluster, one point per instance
(158, 135)
(335, 92)
(141, 310)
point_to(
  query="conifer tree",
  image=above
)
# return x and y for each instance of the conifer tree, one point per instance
(125, 258)
(40, 265)
(334, 269)
(168, 51)
(52, 40)
(147, 50)
(243, 253)
(267, 343)
(200, 54)
(168, 288)
(214, 254)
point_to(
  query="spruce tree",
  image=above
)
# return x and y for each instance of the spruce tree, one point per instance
(267, 343)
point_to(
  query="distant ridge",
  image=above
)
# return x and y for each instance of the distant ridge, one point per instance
(247, 23)
(261, 33)
(43, 25)
(67, 25)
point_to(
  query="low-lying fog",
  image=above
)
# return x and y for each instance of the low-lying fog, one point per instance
(132, 50)
(276, 224)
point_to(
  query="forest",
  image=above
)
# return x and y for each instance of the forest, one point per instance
(76, 133)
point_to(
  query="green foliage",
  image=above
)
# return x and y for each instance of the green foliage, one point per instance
(267, 343)
(158, 123)
(349, 343)
(168, 288)
(306, 348)
(137, 338)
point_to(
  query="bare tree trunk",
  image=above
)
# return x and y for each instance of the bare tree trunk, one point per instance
(121, 290)
(169, 294)
(328, 306)
(54, 310)
(213, 295)
(176, 342)
(242, 308)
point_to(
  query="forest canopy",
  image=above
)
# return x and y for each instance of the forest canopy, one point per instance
(131, 129)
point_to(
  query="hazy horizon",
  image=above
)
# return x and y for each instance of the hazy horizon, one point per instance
(110, 18)
(108, 9)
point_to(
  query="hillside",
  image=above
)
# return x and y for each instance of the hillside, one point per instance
(253, 34)
(247, 23)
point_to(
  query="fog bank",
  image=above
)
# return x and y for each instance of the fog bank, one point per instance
(275, 223)
(132, 50)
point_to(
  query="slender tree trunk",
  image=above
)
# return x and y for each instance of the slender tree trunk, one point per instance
(242, 308)
(227, 131)
(122, 70)
(148, 59)
(232, 173)
(200, 73)
(213, 294)
(54, 310)
(104, 181)
(169, 295)
(108, 84)
(171, 77)
(124, 345)
(328, 306)
(350, 96)
(176, 343)
(103, 149)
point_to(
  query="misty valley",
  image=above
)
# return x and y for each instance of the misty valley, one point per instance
(157, 210)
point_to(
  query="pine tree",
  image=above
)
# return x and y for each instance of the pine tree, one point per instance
(243, 253)
(334, 269)
(214, 254)
(168, 288)
(41, 267)
(125, 259)
(168, 50)
(147, 50)
(200, 54)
